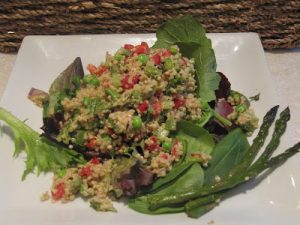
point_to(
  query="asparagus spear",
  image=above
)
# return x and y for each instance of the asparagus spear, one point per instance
(280, 127)
(159, 201)
(236, 180)
(257, 142)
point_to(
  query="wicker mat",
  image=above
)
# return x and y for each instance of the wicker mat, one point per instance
(277, 21)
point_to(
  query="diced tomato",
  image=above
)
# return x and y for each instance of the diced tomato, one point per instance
(92, 69)
(95, 161)
(156, 105)
(174, 151)
(178, 102)
(154, 144)
(156, 59)
(146, 46)
(164, 156)
(135, 79)
(143, 48)
(126, 84)
(167, 53)
(86, 171)
(143, 107)
(59, 191)
(128, 46)
(91, 143)
(101, 70)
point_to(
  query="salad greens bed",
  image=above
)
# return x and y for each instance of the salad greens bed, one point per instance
(188, 187)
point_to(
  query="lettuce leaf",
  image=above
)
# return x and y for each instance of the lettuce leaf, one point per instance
(189, 35)
(41, 153)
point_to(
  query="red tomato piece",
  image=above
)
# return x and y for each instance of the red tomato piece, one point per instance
(156, 105)
(154, 144)
(125, 82)
(143, 48)
(128, 46)
(85, 171)
(167, 53)
(91, 143)
(135, 79)
(156, 59)
(164, 156)
(178, 102)
(92, 68)
(95, 161)
(128, 85)
(59, 191)
(101, 70)
(143, 107)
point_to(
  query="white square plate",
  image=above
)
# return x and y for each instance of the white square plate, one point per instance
(240, 56)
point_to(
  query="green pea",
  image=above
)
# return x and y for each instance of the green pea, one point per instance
(168, 64)
(167, 145)
(143, 58)
(240, 108)
(173, 50)
(137, 122)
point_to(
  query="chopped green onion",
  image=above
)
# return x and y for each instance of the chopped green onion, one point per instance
(173, 50)
(118, 57)
(61, 173)
(86, 101)
(152, 71)
(168, 64)
(240, 108)
(113, 93)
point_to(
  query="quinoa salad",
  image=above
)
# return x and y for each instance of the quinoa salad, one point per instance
(128, 106)
(155, 126)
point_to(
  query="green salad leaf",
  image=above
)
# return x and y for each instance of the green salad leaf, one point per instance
(67, 80)
(41, 153)
(193, 178)
(189, 35)
(197, 139)
(227, 154)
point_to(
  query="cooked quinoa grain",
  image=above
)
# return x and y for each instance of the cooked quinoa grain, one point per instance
(128, 105)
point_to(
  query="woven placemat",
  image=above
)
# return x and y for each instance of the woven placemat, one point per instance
(276, 21)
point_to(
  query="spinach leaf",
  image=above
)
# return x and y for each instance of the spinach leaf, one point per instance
(190, 37)
(198, 139)
(228, 153)
(172, 175)
(183, 29)
(193, 178)
(141, 205)
(207, 78)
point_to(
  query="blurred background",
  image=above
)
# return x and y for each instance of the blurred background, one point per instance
(276, 21)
